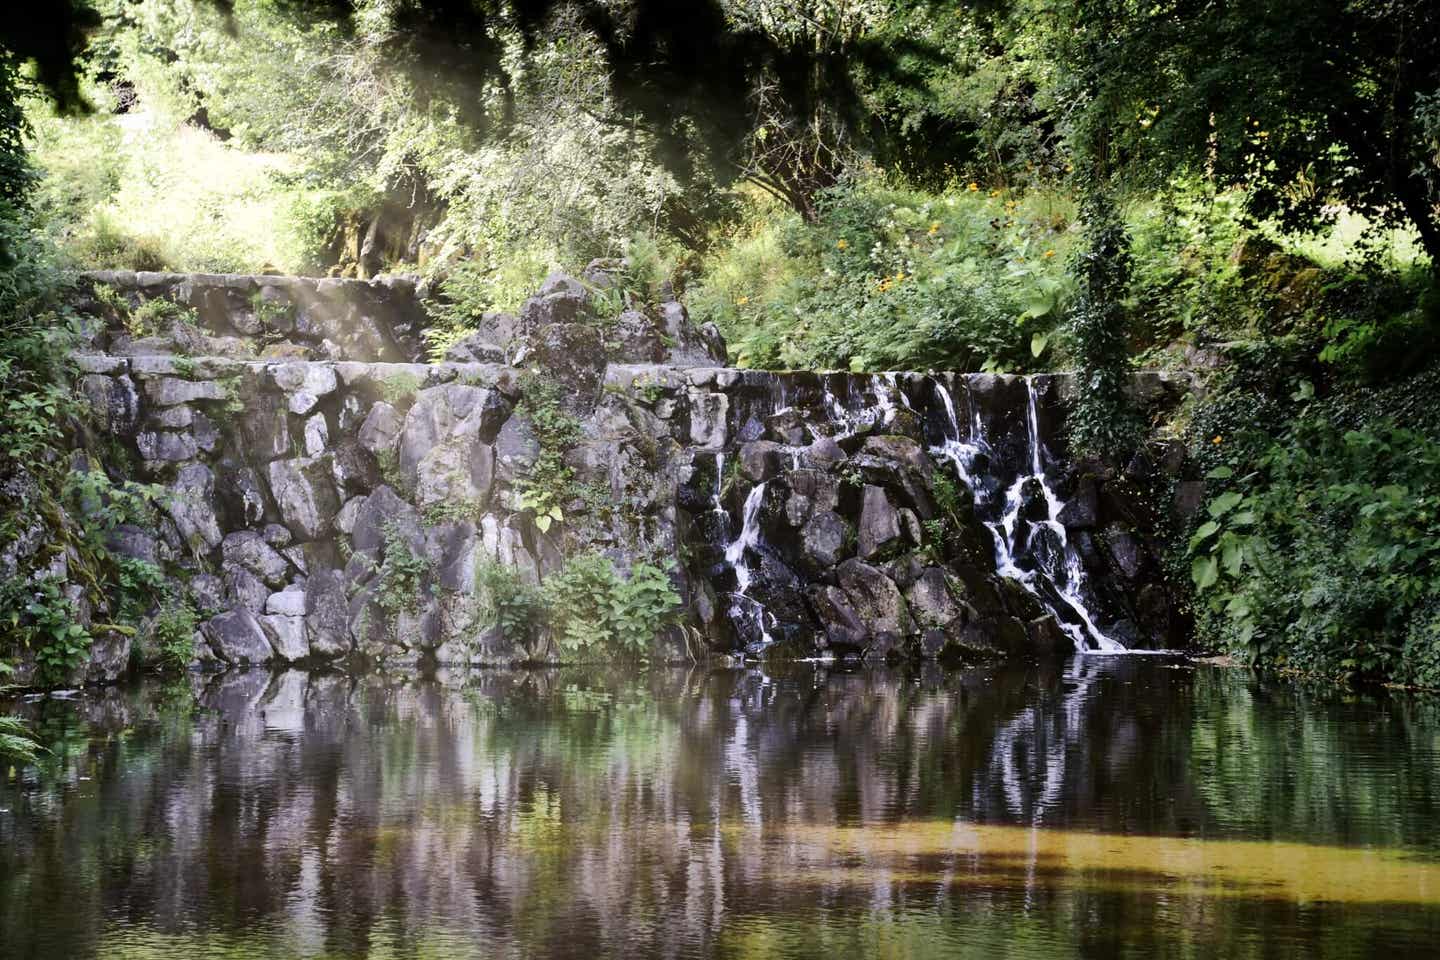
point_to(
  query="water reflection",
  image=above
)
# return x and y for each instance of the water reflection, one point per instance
(1105, 807)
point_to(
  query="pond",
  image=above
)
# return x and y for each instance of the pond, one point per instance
(1108, 806)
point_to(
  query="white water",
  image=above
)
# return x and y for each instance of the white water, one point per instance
(748, 539)
(1069, 586)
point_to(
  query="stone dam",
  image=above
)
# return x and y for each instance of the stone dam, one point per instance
(301, 439)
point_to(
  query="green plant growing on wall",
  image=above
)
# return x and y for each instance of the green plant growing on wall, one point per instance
(272, 314)
(398, 388)
(549, 484)
(508, 602)
(594, 610)
(157, 316)
(172, 635)
(403, 573)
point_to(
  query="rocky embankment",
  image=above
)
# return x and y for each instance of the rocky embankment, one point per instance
(330, 498)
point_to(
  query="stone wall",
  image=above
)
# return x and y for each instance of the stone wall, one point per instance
(301, 473)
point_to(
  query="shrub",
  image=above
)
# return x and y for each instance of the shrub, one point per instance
(1323, 556)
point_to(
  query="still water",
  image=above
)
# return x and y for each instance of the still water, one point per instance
(1132, 807)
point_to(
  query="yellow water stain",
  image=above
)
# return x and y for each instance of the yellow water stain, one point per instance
(1005, 855)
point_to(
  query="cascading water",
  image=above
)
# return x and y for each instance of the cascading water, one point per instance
(1012, 494)
(744, 607)
(1035, 551)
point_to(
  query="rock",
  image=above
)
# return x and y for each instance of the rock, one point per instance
(709, 413)
(451, 411)
(287, 635)
(516, 450)
(1083, 508)
(824, 450)
(573, 356)
(1034, 506)
(457, 472)
(453, 547)
(289, 602)
(191, 505)
(345, 519)
(714, 342)
(879, 524)
(317, 436)
(381, 429)
(113, 401)
(265, 428)
(109, 655)
(246, 549)
(823, 539)
(1123, 550)
(761, 460)
(384, 509)
(166, 446)
(237, 637)
(169, 391)
(304, 490)
(900, 450)
(479, 347)
(244, 591)
(875, 599)
(353, 468)
(931, 602)
(1045, 636)
(842, 625)
(207, 593)
(326, 614)
(636, 339)
(303, 384)
(130, 541)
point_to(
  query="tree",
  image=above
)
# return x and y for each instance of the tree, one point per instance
(1310, 105)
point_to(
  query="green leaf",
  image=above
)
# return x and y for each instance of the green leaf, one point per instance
(542, 522)
(1206, 531)
(1232, 555)
(1204, 571)
(1038, 343)
(1224, 503)
(1220, 473)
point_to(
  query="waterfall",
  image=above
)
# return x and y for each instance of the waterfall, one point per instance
(1052, 572)
(744, 606)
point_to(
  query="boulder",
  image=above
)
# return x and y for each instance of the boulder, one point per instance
(573, 356)
(289, 602)
(709, 414)
(823, 540)
(303, 384)
(327, 627)
(931, 601)
(287, 635)
(456, 472)
(381, 428)
(237, 637)
(384, 511)
(761, 460)
(304, 490)
(875, 599)
(247, 550)
(898, 449)
(191, 505)
(1082, 510)
(451, 411)
(636, 339)
(879, 530)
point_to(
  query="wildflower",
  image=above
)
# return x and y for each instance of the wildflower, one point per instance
(1218, 440)
(973, 186)
(934, 228)
(841, 244)
(742, 301)
(1049, 254)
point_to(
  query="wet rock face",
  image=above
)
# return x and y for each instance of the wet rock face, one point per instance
(333, 509)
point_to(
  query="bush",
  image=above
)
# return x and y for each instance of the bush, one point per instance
(894, 278)
(586, 608)
(1323, 555)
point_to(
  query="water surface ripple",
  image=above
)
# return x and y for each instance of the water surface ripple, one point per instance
(1105, 807)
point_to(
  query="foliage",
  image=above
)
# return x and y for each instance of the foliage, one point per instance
(1323, 556)
(891, 277)
(172, 635)
(157, 316)
(17, 743)
(593, 609)
(404, 572)
(587, 608)
(549, 484)
(399, 387)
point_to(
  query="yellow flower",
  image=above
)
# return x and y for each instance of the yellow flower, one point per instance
(1218, 440)
(1049, 254)
(841, 244)
(935, 228)
(743, 300)
(973, 186)
(996, 192)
